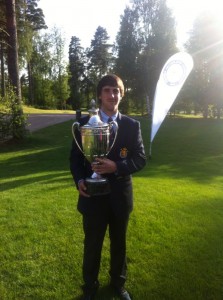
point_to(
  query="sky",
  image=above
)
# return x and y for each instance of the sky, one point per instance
(81, 18)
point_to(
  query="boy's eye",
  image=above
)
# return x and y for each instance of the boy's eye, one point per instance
(113, 90)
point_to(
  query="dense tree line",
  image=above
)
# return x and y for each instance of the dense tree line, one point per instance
(33, 59)
(146, 39)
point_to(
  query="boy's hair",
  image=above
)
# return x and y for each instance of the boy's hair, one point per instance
(112, 80)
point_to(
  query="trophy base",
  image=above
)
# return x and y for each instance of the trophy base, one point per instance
(97, 186)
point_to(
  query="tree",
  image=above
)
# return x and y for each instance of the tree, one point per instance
(3, 50)
(100, 59)
(146, 39)
(13, 65)
(3, 45)
(41, 64)
(58, 70)
(12, 112)
(157, 36)
(76, 69)
(205, 44)
(31, 21)
(127, 53)
(48, 70)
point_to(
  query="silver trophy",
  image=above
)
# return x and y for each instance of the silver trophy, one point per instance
(95, 143)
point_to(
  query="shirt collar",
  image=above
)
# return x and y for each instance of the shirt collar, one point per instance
(105, 117)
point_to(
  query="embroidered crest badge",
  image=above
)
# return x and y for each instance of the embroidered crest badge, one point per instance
(123, 152)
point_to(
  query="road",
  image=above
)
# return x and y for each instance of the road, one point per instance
(38, 121)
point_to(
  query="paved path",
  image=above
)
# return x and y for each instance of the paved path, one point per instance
(38, 121)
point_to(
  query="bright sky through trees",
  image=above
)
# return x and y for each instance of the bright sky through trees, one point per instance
(81, 18)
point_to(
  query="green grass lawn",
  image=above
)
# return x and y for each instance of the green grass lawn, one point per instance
(32, 110)
(175, 237)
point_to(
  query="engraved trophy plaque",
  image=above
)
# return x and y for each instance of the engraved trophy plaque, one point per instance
(95, 143)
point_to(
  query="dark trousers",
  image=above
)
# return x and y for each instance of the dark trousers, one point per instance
(95, 227)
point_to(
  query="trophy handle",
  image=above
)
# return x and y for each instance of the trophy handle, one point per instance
(76, 126)
(115, 129)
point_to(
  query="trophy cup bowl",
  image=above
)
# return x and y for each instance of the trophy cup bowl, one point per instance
(95, 143)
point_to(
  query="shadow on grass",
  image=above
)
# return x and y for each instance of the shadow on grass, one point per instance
(43, 156)
(103, 293)
(183, 148)
(50, 179)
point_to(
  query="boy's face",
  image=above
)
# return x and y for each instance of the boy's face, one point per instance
(110, 98)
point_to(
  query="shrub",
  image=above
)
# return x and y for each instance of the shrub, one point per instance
(12, 120)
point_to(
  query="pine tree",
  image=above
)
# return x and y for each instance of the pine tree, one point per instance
(100, 59)
(127, 49)
(76, 69)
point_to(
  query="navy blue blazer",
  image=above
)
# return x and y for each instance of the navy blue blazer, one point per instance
(128, 153)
